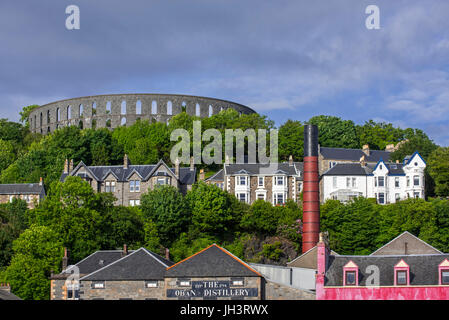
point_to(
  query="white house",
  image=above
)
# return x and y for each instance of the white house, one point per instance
(387, 182)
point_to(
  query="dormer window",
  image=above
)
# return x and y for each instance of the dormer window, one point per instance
(443, 270)
(134, 186)
(351, 274)
(279, 180)
(401, 274)
(110, 186)
(241, 180)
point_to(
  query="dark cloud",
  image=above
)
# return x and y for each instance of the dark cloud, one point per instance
(287, 59)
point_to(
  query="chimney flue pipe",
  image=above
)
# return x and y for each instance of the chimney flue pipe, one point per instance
(311, 189)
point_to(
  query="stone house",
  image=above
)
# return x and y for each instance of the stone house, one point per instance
(275, 183)
(31, 193)
(128, 182)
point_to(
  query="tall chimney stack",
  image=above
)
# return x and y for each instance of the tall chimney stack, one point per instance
(66, 166)
(167, 253)
(125, 250)
(311, 189)
(65, 259)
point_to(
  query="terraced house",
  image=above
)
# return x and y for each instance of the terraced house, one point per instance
(275, 182)
(128, 182)
(31, 193)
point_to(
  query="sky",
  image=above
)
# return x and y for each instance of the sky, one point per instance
(286, 59)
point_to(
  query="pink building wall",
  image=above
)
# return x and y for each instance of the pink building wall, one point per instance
(372, 293)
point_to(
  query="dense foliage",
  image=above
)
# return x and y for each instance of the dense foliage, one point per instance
(74, 216)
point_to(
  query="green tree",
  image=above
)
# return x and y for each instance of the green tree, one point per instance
(378, 135)
(335, 132)
(7, 154)
(25, 113)
(166, 207)
(291, 140)
(415, 140)
(438, 168)
(212, 209)
(261, 218)
(36, 252)
(13, 221)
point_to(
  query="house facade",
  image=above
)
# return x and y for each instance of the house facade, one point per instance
(393, 276)
(31, 193)
(128, 182)
(386, 182)
(275, 183)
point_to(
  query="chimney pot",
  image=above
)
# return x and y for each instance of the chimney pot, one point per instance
(192, 164)
(41, 181)
(290, 160)
(167, 253)
(125, 250)
(71, 165)
(66, 166)
(125, 161)
(366, 149)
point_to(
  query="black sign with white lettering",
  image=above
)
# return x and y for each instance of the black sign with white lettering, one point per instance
(202, 289)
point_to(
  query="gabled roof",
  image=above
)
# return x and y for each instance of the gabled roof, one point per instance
(423, 268)
(353, 154)
(414, 246)
(412, 156)
(99, 173)
(139, 265)
(212, 261)
(219, 176)
(307, 260)
(22, 188)
(6, 295)
(97, 260)
(259, 168)
(352, 169)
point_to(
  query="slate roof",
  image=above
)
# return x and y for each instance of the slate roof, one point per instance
(23, 188)
(6, 295)
(354, 154)
(258, 168)
(139, 265)
(219, 176)
(213, 261)
(186, 176)
(356, 169)
(423, 268)
(414, 246)
(97, 260)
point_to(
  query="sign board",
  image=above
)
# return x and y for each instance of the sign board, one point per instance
(202, 289)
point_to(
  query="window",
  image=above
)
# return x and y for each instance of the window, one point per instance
(444, 276)
(184, 283)
(241, 180)
(408, 181)
(348, 182)
(354, 182)
(350, 278)
(238, 282)
(279, 180)
(416, 195)
(261, 181)
(375, 181)
(381, 198)
(98, 285)
(134, 186)
(401, 277)
(416, 180)
(162, 181)
(220, 185)
(133, 203)
(151, 284)
(396, 182)
(110, 186)
(261, 196)
(397, 196)
(381, 181)
(241, 197)
(279, 198)
(334, 182)
(332, 163)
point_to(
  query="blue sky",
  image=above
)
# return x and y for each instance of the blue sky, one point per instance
(287, 59)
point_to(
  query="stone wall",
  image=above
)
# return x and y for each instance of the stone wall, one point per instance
(116, 290)
(31, 203)
(111, 111)
(277, 291)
